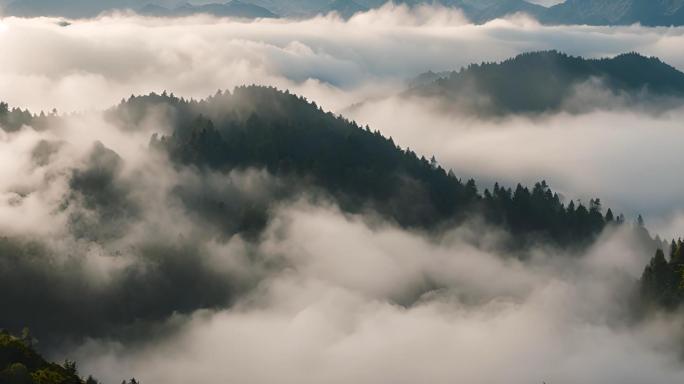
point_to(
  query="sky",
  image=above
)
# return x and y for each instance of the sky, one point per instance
(324, 296)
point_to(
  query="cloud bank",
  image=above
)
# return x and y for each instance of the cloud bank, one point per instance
(333, 316)
(322, 296)
(94, 63)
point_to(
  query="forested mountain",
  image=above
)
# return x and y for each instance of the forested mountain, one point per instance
(486, 10)
(476, 10)
(616, 12)
(345, 8)
(21, 364)
(234, 8)
(66, 8)
(361, 169)
(306, 153)
(544, 81)
(92, 8)
(595, 12)
(291, 137)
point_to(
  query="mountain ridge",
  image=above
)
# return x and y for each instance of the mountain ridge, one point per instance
(591, 12)
(542, 81)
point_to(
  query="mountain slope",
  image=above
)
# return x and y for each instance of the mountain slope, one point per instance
(237, 157)
(92, 8)
(66, 8)
(345, 8)
(234, 8)
(617, 12)
(543, 81)
(362, 170)
(483, 11)
(21, 364)
(593, 12)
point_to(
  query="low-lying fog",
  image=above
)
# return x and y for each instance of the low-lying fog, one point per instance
(323, 296)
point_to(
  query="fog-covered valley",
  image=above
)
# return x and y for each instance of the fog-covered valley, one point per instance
(205, 199)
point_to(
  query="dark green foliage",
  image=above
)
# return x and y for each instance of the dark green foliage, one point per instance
(13, 119)
(539, 82)
(53, 298)
(21, 364)
(541, 212)
(662, 283)
(107, 207)
(290, 137)
(291, 142)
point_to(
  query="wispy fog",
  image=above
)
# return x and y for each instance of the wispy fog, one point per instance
(93, 63)
(333, 316)
(626, 157)
(169, 293)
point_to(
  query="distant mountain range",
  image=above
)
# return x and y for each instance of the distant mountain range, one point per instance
(616, 12)
(592, 12)
(92, 8)
(232, 8)
(545, 81)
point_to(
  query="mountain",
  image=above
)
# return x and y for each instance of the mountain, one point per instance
(540, 82)
(593, 12)
(66, 8)
(221, 149)
(257, 127)
(91, 8)
(486, 10)
(616, 12)
(344, 8)
(21, 364)
(234, 8)
(476, 10)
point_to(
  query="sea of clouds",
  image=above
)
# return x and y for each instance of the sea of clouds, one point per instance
(322, 296)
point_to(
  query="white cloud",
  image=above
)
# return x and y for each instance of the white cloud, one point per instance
(93, 63)
(331, 318)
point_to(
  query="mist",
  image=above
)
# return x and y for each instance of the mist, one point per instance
(94, 63)
(626, 157)
(328, 319)
(127, 266)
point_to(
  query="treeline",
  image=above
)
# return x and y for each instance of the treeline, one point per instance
(13, 119)
(662, 283)
(266, 128)
(21, 364)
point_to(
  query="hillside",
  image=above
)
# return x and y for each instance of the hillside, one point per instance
(540, 82)
(65, 8)
(234, 8)
(291, 137)
(303, 152)
(21, 364)
(616, 12)
(345, 8)
(91, 8)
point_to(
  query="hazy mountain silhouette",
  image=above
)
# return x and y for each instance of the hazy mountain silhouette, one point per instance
(234, 8)
(539, 82)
